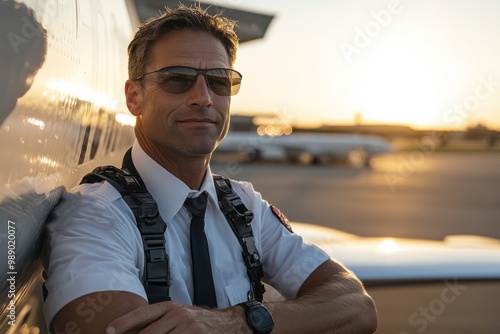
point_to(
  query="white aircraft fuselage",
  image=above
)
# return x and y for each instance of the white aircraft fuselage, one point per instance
(63, 65)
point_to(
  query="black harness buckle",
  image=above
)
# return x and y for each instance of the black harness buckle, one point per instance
(240, 219)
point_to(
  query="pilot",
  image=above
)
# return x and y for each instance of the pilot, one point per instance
(23, 48)
(181, 80)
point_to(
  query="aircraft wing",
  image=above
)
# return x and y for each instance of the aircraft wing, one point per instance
(250, 25)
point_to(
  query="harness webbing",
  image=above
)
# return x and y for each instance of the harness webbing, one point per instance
(240, 218)
(150, 225)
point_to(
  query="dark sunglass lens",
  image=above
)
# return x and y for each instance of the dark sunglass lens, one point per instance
(177, 80)
(223, 82)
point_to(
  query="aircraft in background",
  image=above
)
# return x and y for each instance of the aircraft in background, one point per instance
(357, 150)
(268, 137)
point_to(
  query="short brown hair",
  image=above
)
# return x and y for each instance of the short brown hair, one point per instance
(181, 18)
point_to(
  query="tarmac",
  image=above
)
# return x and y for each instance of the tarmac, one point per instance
(408, 194)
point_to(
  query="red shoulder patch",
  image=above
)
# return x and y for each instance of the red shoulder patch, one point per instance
(281, 217)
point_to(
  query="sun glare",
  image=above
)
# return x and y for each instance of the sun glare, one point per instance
(388, 246)
(398, 87)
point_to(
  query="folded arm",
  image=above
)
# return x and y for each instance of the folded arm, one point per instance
(331, 300)
(93, 312)
(130, 313)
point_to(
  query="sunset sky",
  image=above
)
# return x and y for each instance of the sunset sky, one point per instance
(425, 63)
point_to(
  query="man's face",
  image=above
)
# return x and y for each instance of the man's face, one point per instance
(188, 124)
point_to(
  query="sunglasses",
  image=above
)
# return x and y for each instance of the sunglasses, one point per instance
(180, 79)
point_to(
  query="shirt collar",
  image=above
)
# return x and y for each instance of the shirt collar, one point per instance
(167, 190)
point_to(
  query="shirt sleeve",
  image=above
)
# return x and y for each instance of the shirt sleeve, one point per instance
(286, 258)
(93, 246)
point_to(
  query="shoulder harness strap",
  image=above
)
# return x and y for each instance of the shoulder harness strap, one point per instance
(240, 218)
(150, 225)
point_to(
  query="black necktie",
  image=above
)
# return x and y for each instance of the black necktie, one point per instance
(204, 291)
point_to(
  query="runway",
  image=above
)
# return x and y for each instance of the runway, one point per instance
(409, 194)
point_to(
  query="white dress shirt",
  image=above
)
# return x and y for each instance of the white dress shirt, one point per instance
(95, 245)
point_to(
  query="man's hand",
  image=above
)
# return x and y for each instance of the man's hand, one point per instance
(173, 317)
